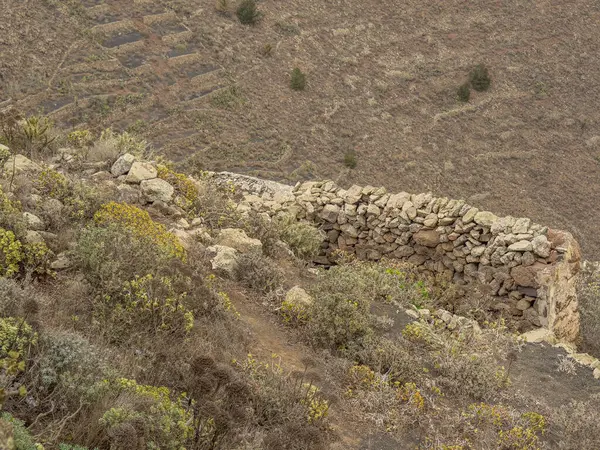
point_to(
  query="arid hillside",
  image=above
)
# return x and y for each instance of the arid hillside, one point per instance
(382, 82)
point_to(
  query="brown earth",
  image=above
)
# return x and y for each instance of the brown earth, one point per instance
(382, 80)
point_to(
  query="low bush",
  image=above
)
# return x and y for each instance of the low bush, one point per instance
(21, 437)
(247, 12)
(11, 217)
(112, 255)
(464, 92)
(146, 414)
(303, 238)
(578, 424)
(480, 78)
(111, 144)
(340, 323)
(297, 80)
(141, 225)
(186, 191)
(350, 159)
(146, 306)
(258, 272)
(17, 300)
(16, 341)
(32, 135)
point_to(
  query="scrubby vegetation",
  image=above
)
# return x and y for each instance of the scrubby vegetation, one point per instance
(136, 340)
(297, 80)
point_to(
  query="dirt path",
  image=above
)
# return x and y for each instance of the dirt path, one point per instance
(271, 337)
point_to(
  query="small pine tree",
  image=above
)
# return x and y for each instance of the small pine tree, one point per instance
(464, 92)
(298, 80)
(247, 12)
(480, 78)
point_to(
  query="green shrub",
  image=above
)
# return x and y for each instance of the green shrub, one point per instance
(16, 340)
(69, 364)
(11, 253)
(22, 439)
(26, 134)
(112, 255)
(339, 323)
(297, 80)
(464, 92)
(258, 272)
(303, 238)
(480, 78)
(247, 12)
(147, 413)
(149, 305)
(350, 160)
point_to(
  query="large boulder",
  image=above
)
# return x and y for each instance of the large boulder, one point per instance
(224, 259)
(157, 189)
(239, 240)
(122, 165)
(20, 164)
(141, 171)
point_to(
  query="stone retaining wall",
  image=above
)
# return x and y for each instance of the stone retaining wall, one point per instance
(530, 268)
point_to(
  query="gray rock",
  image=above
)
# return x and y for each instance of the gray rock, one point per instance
(297, 296)
(20, 164)
(330, 213)
(34, 237)
(128, 194)
(62, 262)
(521, 246)
(33, 222)
(238, 240)
(485, 218)
(140, 171)
(224, 259)
(541, 246)
(521, 225)
(157, 189)
(122, 165)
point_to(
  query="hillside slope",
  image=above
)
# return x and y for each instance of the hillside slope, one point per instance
(382, 82)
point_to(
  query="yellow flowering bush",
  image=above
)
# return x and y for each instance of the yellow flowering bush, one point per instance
(151, 304)
(53, 184)
(11, 253)
(16, 338)
(507, 427)
(10, 213)
(141, 225)
(318, 408)
(185, 189)
(165, 418)
(80, 138)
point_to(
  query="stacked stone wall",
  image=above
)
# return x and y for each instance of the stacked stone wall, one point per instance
(528, 267)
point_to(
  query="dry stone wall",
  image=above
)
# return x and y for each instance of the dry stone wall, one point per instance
(529, 267)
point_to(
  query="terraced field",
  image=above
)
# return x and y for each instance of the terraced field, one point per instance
(382, 79)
